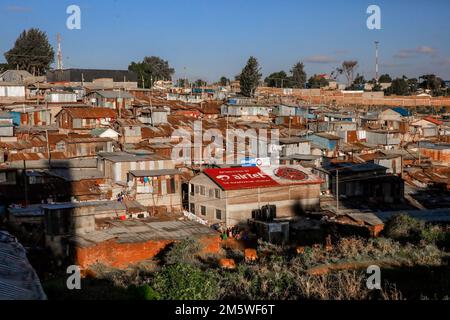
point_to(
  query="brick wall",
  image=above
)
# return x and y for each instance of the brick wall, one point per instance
(120, 255)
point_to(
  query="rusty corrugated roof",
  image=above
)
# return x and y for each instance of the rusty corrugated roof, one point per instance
(90, 112)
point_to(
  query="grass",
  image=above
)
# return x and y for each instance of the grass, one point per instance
(413, 267)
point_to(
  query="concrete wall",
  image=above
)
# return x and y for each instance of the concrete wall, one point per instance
(394, 165)
(61, 97)
(297, 148)
(382, 138)
(12, 91)
(118, 171)
(208, 200)
(289, 200)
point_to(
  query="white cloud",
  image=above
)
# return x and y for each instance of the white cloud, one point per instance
(412, 53)
(320, 59)
(14, 8)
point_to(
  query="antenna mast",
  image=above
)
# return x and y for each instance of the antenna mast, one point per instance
(376, 60)
(60, 59)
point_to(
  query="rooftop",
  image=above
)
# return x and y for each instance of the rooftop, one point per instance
(136, 231)
(354, 167)
(90, 112)
(236, 178)
(327, 136)
(128, 157)
(154, 173)
(114, 94)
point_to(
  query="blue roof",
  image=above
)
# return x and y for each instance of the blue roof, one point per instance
(403, 112)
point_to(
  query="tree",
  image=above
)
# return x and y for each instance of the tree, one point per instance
(277, 80)
(316, 82)
(413, 84)
(250, 77)
(150, 70)
(377, 87)
(348, 69)
(433, 83)
(31, 52)
(3, 67)
(359, 82)
(385, 78)
(224, 81)
(399, 87)
(298, 75)
(183, 83)
(200, 83)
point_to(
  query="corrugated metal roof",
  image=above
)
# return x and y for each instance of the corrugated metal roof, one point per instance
(86, 139)
(90, 112)
(114, 94)
(154, 173)
(134, 231)
(76, 174)
(128, 157)
(18, 279)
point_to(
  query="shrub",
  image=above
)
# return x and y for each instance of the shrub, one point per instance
(433, 234)
(183, 252)
(404, 228)
(144, 292)
(186, 282)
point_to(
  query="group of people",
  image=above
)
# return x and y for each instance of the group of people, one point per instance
(121, 196)
(233, 232)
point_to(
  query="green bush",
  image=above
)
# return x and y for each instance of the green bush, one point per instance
(144, 292)
(433, 234)
(183, 252)
(404, 228)
(186, 282)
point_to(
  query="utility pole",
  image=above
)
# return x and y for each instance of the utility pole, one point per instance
(401, 167)
(117, 103)
(290, 117)
(25, 180)
(48, 148)
(337, 191)
(418, 149)
(376, 60)
(307, 121)
(38, 91)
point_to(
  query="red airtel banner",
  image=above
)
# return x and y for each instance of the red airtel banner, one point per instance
(240, 178)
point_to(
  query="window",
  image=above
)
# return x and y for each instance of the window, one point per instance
(192, 208)
(217, 193)
(202, 190)
(203, 210)
(192, 190)
(218, 214)
(172, 188)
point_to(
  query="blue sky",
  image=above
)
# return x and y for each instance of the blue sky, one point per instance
(210, 38)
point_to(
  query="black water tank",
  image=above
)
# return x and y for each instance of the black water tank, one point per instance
(272, 212)
(256, 214)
